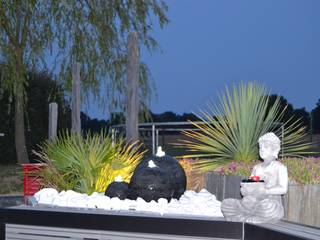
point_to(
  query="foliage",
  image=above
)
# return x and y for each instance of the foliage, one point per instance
(173, 117)
(230, 129)
(41, 90)
(195, 178)
(237, 168)
(291, 114)
(94, 33)
(81, 163)
(25, 33)
(300, 170)
(93, 125)
(304, 171)
(186, 164)
(124, 163)
(90, 32)
(316, 118)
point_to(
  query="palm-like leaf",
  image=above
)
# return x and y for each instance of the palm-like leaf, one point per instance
(86, 164)
(230, 130)
(123, 164)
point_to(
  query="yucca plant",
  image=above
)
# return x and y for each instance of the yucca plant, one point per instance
(82, 163)
(230, 129)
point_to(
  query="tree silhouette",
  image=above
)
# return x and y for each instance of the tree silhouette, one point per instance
(316, 118)
(40, 91)
(92, 33)
(290, 114)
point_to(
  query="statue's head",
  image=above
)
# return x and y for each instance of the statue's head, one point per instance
(269, 147)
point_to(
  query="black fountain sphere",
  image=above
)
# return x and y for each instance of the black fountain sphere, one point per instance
(176, 174)
(150, 184)
(117, 189)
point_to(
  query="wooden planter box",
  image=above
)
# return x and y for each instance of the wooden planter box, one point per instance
(301, 203)
(223, 186)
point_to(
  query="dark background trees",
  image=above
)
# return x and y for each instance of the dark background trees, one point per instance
(91, 33)
(315, 113)
(42, 90)
(291, 114)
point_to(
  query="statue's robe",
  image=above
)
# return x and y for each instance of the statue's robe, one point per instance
(263, 208)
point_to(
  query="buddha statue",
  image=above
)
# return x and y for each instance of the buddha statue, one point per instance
(261, 200)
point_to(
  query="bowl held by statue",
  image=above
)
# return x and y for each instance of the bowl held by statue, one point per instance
(251, 188)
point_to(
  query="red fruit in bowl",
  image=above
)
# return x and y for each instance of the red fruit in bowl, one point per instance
(255, 178)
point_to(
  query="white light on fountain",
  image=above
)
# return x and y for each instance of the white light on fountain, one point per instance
(151, 164)
(160, 153)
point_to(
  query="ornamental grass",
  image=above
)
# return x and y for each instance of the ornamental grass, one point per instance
(230, 129)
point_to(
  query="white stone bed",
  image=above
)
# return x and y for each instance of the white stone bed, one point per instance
(190, 203)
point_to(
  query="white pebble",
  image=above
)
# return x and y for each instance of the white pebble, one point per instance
(191, 203)
(162, 201)
(46, 195)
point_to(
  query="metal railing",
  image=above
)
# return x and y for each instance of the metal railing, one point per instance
(156, 127)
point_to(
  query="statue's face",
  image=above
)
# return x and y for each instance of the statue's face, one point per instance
(267, 151)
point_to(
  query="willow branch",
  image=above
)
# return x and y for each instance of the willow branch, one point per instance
(26, 27)
(4, 24)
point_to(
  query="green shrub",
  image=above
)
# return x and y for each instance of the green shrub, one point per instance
(86, 164)
(230, 129)
(304, 171)
(300, 170)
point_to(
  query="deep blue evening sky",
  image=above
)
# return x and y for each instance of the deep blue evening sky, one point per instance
(209, 44)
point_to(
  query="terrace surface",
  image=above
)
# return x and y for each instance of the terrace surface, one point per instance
(98, 224)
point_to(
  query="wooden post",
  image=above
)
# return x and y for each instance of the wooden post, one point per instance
(132, 101)
(53, 120)
(76, 101)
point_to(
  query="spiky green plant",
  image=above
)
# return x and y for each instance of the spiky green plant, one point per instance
(75, 162)
(230, 129)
